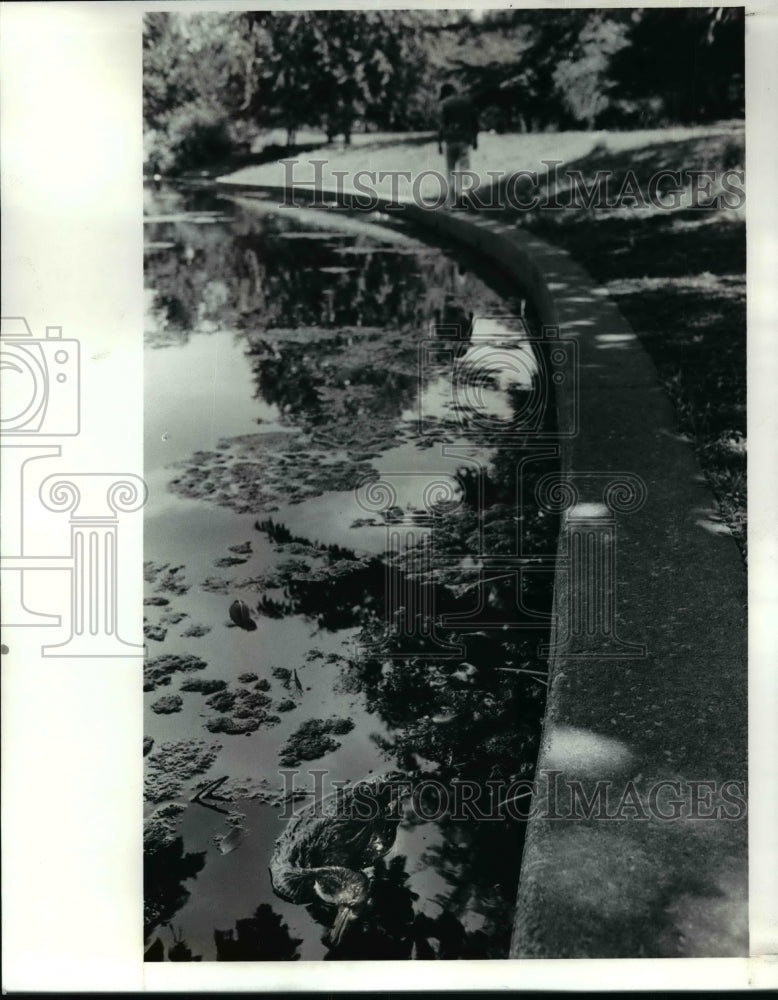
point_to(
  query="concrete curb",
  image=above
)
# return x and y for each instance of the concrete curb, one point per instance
(625, 882)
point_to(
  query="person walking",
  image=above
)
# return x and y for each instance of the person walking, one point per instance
(459, 132)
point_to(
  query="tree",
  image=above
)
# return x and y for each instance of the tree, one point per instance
(700, 75)
(193, 87)
(331, 68)
(209, 75)
(167, 80)
(582, 79)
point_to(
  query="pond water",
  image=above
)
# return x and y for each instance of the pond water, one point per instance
(337, 434)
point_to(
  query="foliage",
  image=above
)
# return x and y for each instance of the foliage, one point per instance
(196, 135)
(582, 79)
(571, 68)
(337, 70)
(700, 75)
(332, 68)
(192, 88)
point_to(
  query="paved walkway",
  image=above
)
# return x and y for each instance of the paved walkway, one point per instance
(672, 710)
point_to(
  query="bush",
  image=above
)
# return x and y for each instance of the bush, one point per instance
(494, 117)
(194, 136)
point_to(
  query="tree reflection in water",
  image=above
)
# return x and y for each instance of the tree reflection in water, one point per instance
(476, 718)
(178, 951)
(467, 716)
(264, 937)
(165, 869)
(480, 861)
(261, 271)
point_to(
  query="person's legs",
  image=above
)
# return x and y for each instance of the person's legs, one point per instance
(457, 159)
(463, 163)
(452, 155)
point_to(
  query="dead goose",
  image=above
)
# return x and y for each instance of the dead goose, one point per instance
(324, 849)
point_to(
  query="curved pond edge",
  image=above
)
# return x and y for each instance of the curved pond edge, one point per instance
(637, 845)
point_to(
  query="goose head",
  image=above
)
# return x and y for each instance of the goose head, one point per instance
(346, 890)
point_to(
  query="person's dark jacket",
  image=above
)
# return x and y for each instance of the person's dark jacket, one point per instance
(458, 121)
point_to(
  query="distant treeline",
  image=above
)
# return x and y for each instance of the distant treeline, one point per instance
(212, 80)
